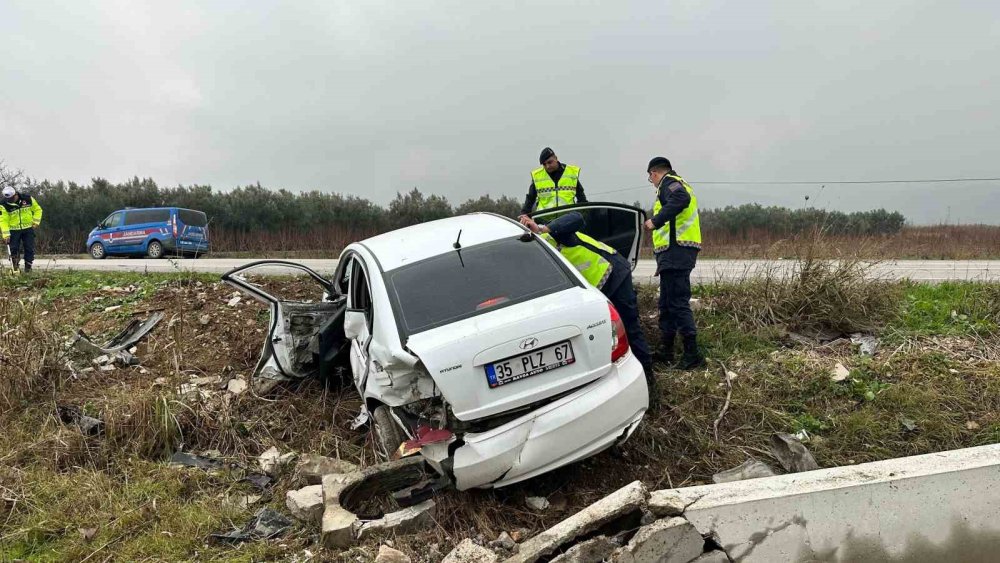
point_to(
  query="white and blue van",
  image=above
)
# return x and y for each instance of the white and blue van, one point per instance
(152, 232)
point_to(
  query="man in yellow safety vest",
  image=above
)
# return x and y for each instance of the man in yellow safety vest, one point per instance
(605, 269)
(676, 242)
(553, 184)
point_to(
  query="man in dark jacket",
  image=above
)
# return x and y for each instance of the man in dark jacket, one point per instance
(676, 242)
(615, 283)
(553, 184)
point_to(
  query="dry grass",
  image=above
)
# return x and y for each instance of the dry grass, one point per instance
(935, 368)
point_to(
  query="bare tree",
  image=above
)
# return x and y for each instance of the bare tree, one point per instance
(16, 179)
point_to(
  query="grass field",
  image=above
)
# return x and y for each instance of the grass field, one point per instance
(932, 385)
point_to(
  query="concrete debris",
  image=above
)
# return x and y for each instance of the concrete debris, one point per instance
(972, 425)
(469, 552)
(311, 468)
(908, 424)
(74, 415)
(537, 504)
(87, 534)
(410, 519)
(715, 556)
(236, 385)
(107, 368)
(203, 381)
(504, 541)
(265, 524)
(191, 392)
(272, 460)
(839, 373)
(792, 455)
(749, 469)
(234, 301)
(337, 526)
(665, 541)
(306, 504)
(802, 436)
(626, 500)
(102, 360)
(204, 320)
(668, 503)
(387, 554)
(867, 344)
(594, 550)
(112, 308)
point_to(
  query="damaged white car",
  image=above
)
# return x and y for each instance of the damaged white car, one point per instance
(473, 343)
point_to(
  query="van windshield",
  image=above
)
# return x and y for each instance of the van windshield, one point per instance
(482, 278)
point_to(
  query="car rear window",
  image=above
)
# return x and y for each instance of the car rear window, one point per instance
(192, 218)
(140, 216)
(478, 279)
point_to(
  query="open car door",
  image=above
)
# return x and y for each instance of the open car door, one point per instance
(304, 337)
(615, 224)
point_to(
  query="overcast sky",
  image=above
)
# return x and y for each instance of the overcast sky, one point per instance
(458, 98)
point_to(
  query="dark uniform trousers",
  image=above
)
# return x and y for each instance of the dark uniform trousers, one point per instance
(25, 238)
(622, 296)
(675, 304)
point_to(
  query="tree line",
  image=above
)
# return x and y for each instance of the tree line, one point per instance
(305, 220)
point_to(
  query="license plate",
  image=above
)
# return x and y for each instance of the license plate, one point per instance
(528, 364)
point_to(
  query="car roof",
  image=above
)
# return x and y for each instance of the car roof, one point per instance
(412, 244)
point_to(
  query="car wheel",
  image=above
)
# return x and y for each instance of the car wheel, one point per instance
(388, 437)
(97, 251)
(155, 249)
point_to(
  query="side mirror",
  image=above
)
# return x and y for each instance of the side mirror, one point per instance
(355, 320)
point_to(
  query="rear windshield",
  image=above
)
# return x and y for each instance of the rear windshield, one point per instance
(192, 218)
(140, 216)
(479, 279)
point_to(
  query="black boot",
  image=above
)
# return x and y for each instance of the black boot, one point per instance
(652, 387)
(692, 357)
(15, 261)
(27, 267)
(666, 353)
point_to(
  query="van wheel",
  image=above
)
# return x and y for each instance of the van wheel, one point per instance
(155, 249)
(388, 437)
(97, 251)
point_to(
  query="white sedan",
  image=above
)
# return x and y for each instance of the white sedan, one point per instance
(473, 344)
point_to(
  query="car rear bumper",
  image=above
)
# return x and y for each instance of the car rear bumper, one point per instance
(200, 247)
(573, 428)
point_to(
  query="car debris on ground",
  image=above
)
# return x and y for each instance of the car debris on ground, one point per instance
(88, 425)
(793, 456)
(127, 338)
(266, 524)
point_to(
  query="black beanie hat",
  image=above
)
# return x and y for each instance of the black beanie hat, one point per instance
(546, 153)
(658, 162)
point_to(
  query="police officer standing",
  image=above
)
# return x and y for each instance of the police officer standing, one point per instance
(19, 215)
(606, 270)
(676, 242)
(553, 184)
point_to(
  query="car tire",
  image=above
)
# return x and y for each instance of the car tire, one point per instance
(154, 249)
(388, 436)
(98, 252)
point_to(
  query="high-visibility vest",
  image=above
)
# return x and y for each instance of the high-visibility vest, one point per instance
(551, 194)
(24, 214)
(687, 226)
(595, 268)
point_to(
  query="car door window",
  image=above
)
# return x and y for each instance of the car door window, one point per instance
(113, 220)
(360, 293)
(617, 225)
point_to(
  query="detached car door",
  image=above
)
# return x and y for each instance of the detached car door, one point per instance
(615, 224)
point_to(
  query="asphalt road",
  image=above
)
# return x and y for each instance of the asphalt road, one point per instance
(707, 271)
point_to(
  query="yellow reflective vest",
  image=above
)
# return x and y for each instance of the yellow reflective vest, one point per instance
(595, 268)
(687, 225)
(552, 194)
(20, 215)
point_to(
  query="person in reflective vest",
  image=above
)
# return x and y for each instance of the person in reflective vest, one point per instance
(607, 270)
(20, 214)
(676, 242)
(553, 184)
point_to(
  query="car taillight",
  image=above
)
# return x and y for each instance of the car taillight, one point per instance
(619, 340)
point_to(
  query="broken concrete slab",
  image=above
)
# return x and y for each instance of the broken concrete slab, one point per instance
(410, 519)
(792, 454)
(337, 527)
(312, 467)
(306, 504)
(749, 469)
(272, 460)
(672, 540)
(387, 554)
(469, 552)
(594, 550)
(669, 502)
(237, 385)
(628, 499)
